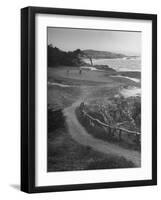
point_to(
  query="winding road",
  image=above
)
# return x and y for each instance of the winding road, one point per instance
(80, 135)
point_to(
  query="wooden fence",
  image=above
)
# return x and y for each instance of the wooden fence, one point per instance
(112, 130)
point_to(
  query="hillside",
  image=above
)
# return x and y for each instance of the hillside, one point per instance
(57, 57)
(102, 54)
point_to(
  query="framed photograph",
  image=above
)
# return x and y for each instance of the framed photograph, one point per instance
(88, 99)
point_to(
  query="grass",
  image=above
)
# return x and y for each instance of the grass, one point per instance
(65, 154)
(63, 97)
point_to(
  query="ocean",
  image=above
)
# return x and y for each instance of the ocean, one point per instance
(119, 64)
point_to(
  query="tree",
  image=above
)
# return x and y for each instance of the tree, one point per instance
(57, 57)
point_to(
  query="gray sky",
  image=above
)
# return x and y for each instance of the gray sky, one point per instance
(69, 39)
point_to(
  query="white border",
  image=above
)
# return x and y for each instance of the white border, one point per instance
(60, 178)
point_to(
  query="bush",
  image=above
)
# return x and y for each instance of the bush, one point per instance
(56, 120)
(57, 57)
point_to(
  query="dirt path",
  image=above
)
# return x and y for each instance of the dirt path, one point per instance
(80, 135)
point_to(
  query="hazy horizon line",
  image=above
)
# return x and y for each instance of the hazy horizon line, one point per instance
(111, 51)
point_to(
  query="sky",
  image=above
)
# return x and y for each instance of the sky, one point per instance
(69, 39)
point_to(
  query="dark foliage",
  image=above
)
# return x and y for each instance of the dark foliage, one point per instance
(57, 57)
(56, 119)
(120, 112)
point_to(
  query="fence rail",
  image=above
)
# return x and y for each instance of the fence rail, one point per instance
(117, 129)
(109, 126)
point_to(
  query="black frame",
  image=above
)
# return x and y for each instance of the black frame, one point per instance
(28, 98)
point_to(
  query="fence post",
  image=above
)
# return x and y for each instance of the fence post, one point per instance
(120, 135)
(111, 132)
(137, 139)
